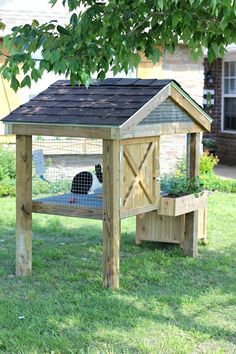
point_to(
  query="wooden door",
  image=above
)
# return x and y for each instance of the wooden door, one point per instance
(140, 188)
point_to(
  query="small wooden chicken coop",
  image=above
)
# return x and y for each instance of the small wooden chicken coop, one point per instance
(128, 117)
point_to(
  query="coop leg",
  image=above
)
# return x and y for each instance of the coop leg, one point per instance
(138, 229)
(191, 234)
(203, 225)
(23, 205)
(111, 223)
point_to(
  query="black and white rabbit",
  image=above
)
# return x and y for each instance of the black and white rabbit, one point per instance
(86, 182)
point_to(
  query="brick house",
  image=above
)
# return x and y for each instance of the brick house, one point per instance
(220, 80)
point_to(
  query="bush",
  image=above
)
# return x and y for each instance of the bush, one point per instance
(7, 163)
(207, 163)
(212, 182)
(55, 187)
(7, 187)
(177, 186)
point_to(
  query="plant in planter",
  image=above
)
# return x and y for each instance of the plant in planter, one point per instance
(178, 186)
(180, 195)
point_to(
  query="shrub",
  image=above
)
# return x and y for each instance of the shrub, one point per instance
(176, 186)
(7, 163)
(213, 182)
(55, 187)
(207, 163)
(7, 187)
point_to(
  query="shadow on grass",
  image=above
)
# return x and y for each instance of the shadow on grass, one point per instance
(65, 298)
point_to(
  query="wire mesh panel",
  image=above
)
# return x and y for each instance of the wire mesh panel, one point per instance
(174, 152)
(68, 171)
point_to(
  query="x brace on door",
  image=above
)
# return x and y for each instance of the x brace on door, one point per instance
(138, 172)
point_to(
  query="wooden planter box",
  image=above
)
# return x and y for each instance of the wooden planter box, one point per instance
(168, 223)
(182, 205)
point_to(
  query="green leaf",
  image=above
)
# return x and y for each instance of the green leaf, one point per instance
(2, 26)
(176, 17)
(26, 82)
(15, 83)
(62, 30)
(35, 75)
(54, 56)
(72, 4)
(74, 20)
(52, 2)
(134, 59)
(35, 23)
(155, 55)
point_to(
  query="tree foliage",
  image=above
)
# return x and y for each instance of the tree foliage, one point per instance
(103, 35)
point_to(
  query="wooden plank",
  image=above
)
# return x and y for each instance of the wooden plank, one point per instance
(162, 129)
(190, 108)
(143, 140)
(153, 227)
(64, 210)
(202, 223)
(63, 130)
(147, 108)
(23, 205)
(138, 173)
(194, 158)
(111, 223)
(139, 176)
(190, 236)
(191, 219)
(182, 205)
(125, 213)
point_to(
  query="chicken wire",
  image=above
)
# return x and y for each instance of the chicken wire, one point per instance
(68, 171)
(174, 158)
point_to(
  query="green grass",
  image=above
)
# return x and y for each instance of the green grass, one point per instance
(166, 304)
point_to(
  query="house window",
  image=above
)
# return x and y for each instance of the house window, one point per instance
(229, 117)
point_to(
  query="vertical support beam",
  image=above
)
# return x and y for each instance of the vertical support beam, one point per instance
(194, 158)
(191, 219)
(111, 223)
(23, 205)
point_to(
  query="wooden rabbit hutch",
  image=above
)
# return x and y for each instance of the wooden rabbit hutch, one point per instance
(128, 116)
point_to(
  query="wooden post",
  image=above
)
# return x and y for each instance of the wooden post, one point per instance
(111, 223)
(23, 205)
(191, 219)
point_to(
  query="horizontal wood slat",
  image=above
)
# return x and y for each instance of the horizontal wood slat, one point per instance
(64, 210)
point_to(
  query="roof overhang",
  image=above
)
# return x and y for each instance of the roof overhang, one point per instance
(181, 98)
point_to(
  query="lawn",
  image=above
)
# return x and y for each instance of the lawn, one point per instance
(166, 304)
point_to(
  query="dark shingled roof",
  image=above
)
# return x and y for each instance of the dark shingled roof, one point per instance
(110, 102)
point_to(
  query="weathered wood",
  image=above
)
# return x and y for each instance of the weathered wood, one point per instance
(111, 223)
(191, 219)
(139, 175)
(202, 223)
(23, 205)
(162, 129)
(66, 210)
(63, 130)
(154, 227)
(143, 140)
(147, 108)
(182, 205)
(190, 240)
(194, 156)
(125, 213)
(190, 107)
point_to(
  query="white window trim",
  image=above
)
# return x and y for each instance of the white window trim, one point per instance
(229, 57)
